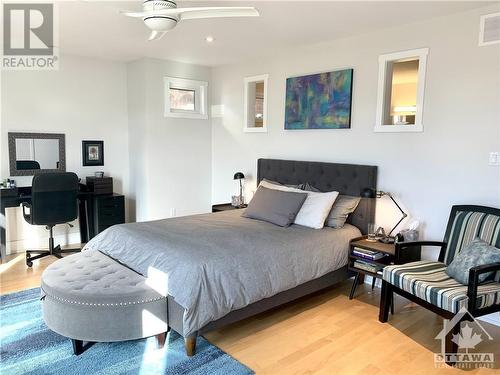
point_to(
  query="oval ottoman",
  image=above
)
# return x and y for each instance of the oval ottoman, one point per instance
(90, 297)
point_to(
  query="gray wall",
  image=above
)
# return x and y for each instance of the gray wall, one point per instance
(428, 172)
(170, 165)
(85, 99)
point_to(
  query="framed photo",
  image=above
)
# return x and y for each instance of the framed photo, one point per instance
(92, 153)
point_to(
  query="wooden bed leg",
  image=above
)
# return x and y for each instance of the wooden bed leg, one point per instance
(190, 343)
(160, 339)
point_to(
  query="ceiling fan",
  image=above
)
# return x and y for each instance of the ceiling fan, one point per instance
(162, 15)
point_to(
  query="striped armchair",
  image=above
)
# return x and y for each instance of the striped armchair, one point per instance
(427, 283)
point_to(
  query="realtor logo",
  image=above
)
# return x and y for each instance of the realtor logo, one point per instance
(467, 333)
(28, 36)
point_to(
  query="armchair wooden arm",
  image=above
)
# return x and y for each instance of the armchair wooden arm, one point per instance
(403, 247)
(474, 274)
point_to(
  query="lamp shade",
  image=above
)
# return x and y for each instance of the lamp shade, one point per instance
(238, 176)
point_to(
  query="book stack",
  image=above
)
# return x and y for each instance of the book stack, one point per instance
(366, 266)
(368, 254)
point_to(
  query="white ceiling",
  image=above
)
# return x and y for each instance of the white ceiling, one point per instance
(96, 29)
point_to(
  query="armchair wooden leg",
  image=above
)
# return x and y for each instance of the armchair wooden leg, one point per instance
(450, 347)
(190, 344)
(385, 301)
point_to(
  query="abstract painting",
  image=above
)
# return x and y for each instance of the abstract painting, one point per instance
(319, 101)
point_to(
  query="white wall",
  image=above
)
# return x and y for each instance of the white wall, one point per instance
(84, 99)
(170, 158)
(428, 172)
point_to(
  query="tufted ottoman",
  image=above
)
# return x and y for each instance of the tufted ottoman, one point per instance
(90, 297)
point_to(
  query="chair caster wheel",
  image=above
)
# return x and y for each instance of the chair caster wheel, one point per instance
(29, 263)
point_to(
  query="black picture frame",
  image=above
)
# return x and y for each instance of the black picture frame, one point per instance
(92, 153)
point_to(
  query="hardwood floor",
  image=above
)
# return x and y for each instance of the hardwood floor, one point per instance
(320, 334)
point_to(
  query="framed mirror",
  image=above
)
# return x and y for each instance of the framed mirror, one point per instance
(401, 85)
(34, 153)
(255, 111)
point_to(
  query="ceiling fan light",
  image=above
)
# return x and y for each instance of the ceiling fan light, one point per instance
(209, 39)
(160, 23)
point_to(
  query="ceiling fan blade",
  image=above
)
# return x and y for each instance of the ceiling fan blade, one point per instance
(135, 14)
(197, 12)
(216, 12)
(155, 35)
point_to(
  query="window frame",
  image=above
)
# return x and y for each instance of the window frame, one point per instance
(421, 55)
(247, 80)
(200, 89)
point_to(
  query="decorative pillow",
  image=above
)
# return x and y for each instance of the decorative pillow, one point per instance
(299, 186)
(477, 253)
(275, 206)
(343, 206)
(315, 209)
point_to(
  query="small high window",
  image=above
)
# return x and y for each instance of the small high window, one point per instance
(185, 98)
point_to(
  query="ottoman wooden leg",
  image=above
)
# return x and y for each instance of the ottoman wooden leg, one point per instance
(160, 340)
(77, 347)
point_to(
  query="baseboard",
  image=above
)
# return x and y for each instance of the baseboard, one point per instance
(20, 246)
(491, 318)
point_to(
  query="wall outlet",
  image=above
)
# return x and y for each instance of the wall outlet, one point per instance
(173, 212)
(494, 158)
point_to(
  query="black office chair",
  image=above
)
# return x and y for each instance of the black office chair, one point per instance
(22, 165)
(53, 201)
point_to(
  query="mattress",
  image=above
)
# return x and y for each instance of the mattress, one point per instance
(212, 264)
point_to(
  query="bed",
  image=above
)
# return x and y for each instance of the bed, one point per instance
(216, 269)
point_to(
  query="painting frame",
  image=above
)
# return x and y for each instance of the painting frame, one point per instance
(319, 100)
(92, 153)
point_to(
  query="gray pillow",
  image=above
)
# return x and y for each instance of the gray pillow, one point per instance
(275, 206)
(477, 253)
(342, 207)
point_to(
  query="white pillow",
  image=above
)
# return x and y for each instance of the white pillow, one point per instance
(315, 209)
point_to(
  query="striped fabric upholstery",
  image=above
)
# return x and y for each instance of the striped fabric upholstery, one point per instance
(468, 226)
(429, 281)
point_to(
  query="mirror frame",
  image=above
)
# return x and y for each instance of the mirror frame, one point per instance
(32, 172)
(247, 80)
(421, 54)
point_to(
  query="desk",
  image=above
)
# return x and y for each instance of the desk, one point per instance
(85, 213)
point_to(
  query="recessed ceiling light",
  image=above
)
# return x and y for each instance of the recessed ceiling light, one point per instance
(209, 39)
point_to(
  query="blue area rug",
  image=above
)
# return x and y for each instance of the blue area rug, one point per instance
(29, 347)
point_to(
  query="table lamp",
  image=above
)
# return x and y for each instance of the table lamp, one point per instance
(240, 176)
(371, 193)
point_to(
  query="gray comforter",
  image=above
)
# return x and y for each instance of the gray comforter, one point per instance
(212, 264)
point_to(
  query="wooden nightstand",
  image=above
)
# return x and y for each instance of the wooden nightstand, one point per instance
(225, 207)
(392, 254)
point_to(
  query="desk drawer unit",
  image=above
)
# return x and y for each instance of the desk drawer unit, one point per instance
(108, 211)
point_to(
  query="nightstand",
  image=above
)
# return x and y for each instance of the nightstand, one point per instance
(226, 207)
(362, 263)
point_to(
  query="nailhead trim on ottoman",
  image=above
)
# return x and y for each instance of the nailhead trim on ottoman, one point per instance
(89, 296)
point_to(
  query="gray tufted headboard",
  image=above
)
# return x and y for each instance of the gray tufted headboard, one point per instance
(348, 179)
